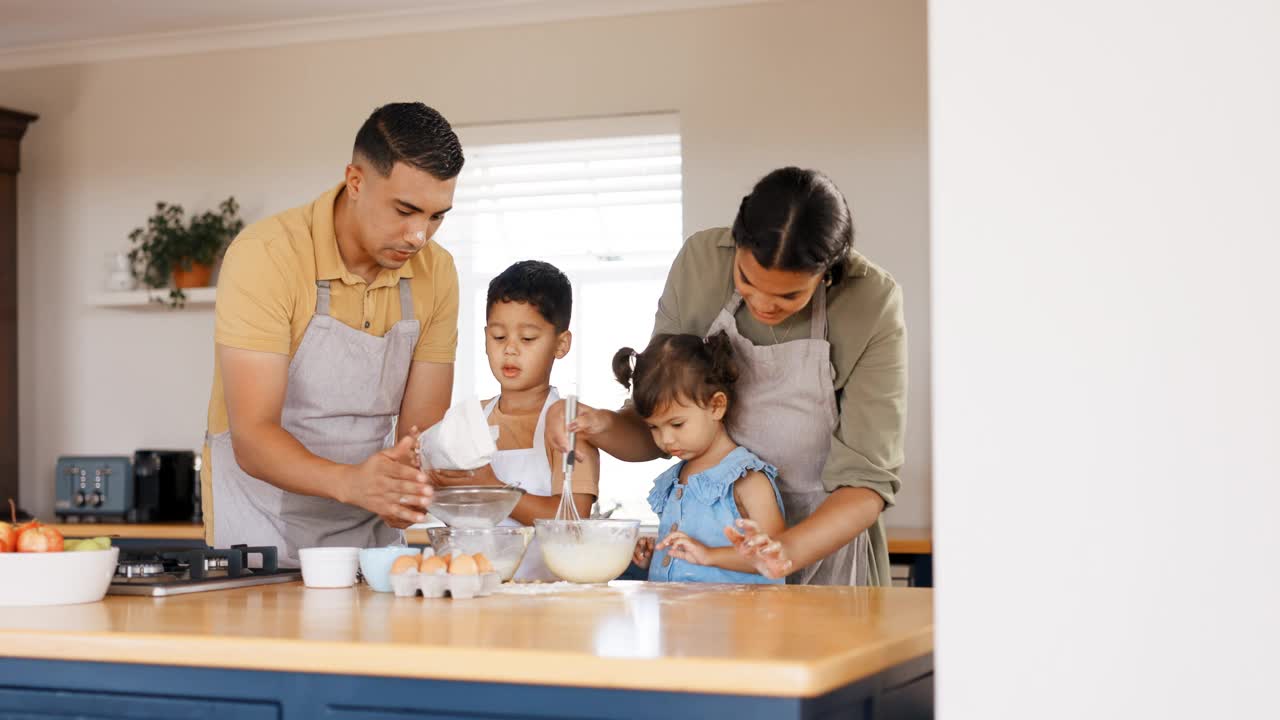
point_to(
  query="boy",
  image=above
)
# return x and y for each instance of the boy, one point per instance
(527, 329)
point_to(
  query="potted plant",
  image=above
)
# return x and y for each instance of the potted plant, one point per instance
(171, 252)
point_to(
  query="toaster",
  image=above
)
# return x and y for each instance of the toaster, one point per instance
(94, 487)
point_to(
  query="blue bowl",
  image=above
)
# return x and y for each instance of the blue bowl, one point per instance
(375, 565)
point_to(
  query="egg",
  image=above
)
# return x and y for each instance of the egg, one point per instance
(404, 563)
(483, 564)
(432, 566)
(464, 565)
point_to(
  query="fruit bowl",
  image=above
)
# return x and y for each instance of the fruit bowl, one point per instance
(587, 551)
(56, 578)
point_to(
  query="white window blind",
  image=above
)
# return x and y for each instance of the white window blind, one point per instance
(601, 200)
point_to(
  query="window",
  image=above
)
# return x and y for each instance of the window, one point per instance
(601, 200)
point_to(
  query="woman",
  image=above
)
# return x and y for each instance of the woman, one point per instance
(823, 397)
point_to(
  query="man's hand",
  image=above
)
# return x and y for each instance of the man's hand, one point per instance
(390, 485)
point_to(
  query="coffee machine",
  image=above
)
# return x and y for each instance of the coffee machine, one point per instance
(166, 486)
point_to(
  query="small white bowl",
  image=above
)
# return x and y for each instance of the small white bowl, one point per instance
(329, 567)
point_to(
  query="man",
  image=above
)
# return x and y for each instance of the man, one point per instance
(332, 319)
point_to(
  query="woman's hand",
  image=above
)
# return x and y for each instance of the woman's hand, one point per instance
(590, 422)
(682, 547)
(767, 555)
(643, 554)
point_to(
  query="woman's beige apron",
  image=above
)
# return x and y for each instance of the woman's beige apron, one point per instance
(785, 412)
(345, 388)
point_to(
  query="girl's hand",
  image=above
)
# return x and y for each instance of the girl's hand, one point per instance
(590, 422)
(767, 555)
(682, 547)
(643, 554)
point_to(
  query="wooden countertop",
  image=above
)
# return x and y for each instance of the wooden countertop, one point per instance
(910, 541)
(132, 531)
(141, 531)
(915, 541)
(907, 541)
(776, 641)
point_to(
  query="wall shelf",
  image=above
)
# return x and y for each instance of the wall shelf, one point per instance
(142, 299)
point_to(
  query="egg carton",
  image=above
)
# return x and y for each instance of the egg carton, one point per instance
(435, 585)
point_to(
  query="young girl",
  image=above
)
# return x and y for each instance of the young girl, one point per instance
(682, 385)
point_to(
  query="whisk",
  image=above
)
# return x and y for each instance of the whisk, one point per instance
(567, 509)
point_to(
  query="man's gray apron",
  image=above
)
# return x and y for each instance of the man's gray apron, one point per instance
(785, 412)
(345, 388)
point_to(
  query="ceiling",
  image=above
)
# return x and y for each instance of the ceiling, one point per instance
(50, 32)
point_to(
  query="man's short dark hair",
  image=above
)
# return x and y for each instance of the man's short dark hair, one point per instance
(539, 284)
(413, 134)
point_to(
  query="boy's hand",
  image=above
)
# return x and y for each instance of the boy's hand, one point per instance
(767, 555)
(682, 547)
(455, 478)
(643, 554)
(590, 422)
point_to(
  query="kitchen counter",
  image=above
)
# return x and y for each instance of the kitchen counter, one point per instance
(132, 531)
(769, 649)
(902, 541)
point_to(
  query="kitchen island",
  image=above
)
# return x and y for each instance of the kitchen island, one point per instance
(623, 650)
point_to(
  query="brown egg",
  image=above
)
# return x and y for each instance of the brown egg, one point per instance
(463, 565)
(483, 564)
(432, 565)
(404, 563)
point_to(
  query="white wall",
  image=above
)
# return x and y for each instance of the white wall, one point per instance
(835, 84)
(1105, 245)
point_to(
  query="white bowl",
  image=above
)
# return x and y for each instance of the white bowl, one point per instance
(56, 578)
(329, 567)
(587, 551)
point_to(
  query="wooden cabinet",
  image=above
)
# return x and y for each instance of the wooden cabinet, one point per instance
(13, 125)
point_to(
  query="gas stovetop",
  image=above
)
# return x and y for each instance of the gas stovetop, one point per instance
(162, 571)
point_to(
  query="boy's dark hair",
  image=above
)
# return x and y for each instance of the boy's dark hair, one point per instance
(677, 366)
(796, 220)
(539, 284)
(411, 133)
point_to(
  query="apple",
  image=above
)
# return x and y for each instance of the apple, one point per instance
(34, 537)
(8, 537)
